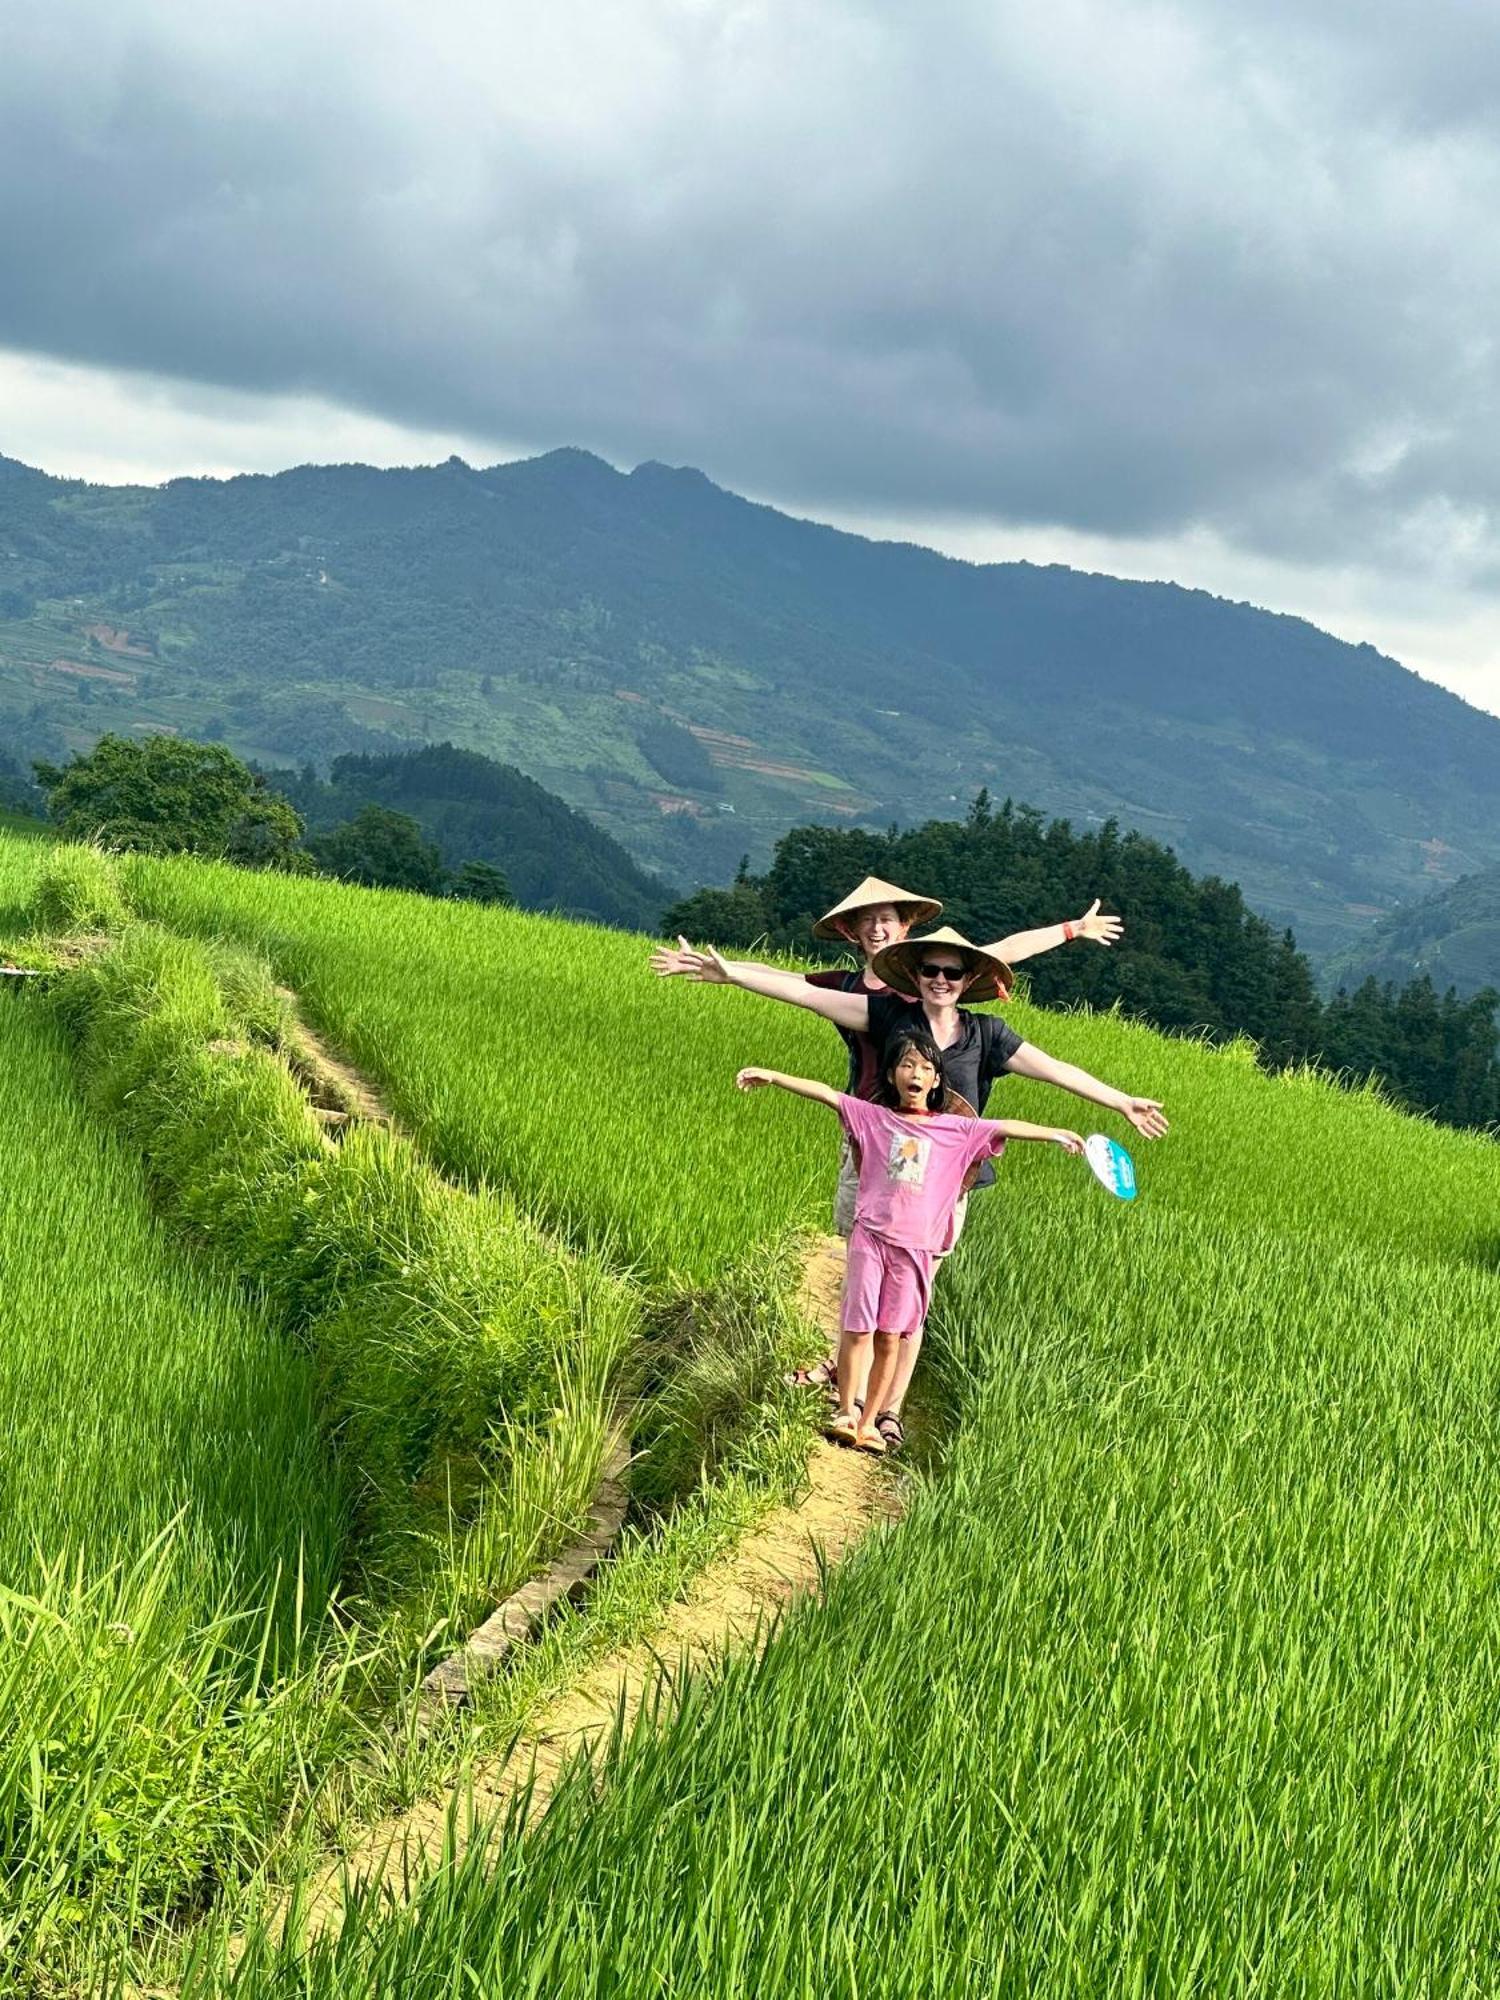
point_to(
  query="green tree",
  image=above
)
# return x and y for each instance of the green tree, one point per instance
(814, 866)
(170, 795)
(1357, 1035)
(733, 918)
(481, 882)
(383, 850)
(1296, 1008)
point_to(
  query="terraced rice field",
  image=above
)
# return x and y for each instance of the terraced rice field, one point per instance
(1182, 1675)
(1181, 1672)
(278, 1416)
(620, 1121)
(1179, 1676)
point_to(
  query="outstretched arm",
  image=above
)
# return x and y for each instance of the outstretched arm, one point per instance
(799, 1086)
(845, 1010)
(1052, 1135)
(1097, 929)
(668, 960)
(1144, 1113)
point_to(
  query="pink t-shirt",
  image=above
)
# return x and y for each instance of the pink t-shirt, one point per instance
(911, 1170)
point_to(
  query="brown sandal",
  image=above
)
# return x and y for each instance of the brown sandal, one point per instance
(821, 1375)
(889, 1425)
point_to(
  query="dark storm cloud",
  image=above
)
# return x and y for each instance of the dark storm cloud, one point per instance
(1126, 267)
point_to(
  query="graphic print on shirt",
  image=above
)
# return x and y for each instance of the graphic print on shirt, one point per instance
(906, 1162)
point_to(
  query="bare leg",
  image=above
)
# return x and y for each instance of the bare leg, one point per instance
(911, 1345)
(854, 1370)
(906, 1361)
(882, 1375)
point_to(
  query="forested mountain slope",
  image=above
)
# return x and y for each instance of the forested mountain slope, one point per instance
(477, 810)
(1453, 936)
(699, 673)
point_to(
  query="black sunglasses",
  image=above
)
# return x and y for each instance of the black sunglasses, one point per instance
(952, 973)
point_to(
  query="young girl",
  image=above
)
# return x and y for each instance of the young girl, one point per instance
(913, 1159)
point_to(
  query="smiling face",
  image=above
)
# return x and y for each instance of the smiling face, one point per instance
(913, 1078)
(942, 975)
(873, 929)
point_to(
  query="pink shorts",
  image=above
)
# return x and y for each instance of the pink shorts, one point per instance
(887, 1288)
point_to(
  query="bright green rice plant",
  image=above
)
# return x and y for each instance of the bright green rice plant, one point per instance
(1179, 1674)
(714, 1398)
(165, 1508)
(79, 889)
(178, 1489)
(637, 1138)
(544, 1057)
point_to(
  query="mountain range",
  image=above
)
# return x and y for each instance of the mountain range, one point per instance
(698, 673)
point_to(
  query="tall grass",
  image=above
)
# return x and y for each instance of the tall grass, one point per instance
(441, 1323)
(542, 1057)
(21, 862)
(1180, 1672)
(165, 1512)
(148, 1389)
(1182, 1679)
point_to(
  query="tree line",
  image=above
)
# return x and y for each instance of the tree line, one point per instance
(170, 795)
(1195, 959)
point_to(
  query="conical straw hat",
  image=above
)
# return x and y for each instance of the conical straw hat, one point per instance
(897, 965)
(870, 893)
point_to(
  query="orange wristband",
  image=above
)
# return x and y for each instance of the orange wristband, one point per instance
(1068, 933)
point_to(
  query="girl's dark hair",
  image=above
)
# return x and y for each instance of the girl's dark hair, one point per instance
(920, 1043)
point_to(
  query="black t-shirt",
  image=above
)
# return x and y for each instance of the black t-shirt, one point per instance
(970, 1063)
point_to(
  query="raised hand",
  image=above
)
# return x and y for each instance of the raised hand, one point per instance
(1096, 928)
(669, 961)
(1146, 1115)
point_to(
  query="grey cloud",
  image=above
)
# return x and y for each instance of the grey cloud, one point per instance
(1122, 267)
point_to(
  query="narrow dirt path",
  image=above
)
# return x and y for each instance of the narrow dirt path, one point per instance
(334, 1086)
(728, 1606)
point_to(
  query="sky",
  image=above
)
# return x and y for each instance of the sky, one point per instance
(1206, 290)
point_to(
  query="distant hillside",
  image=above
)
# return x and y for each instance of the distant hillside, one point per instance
(1453, 936)
(478, 810)
(698, 673)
